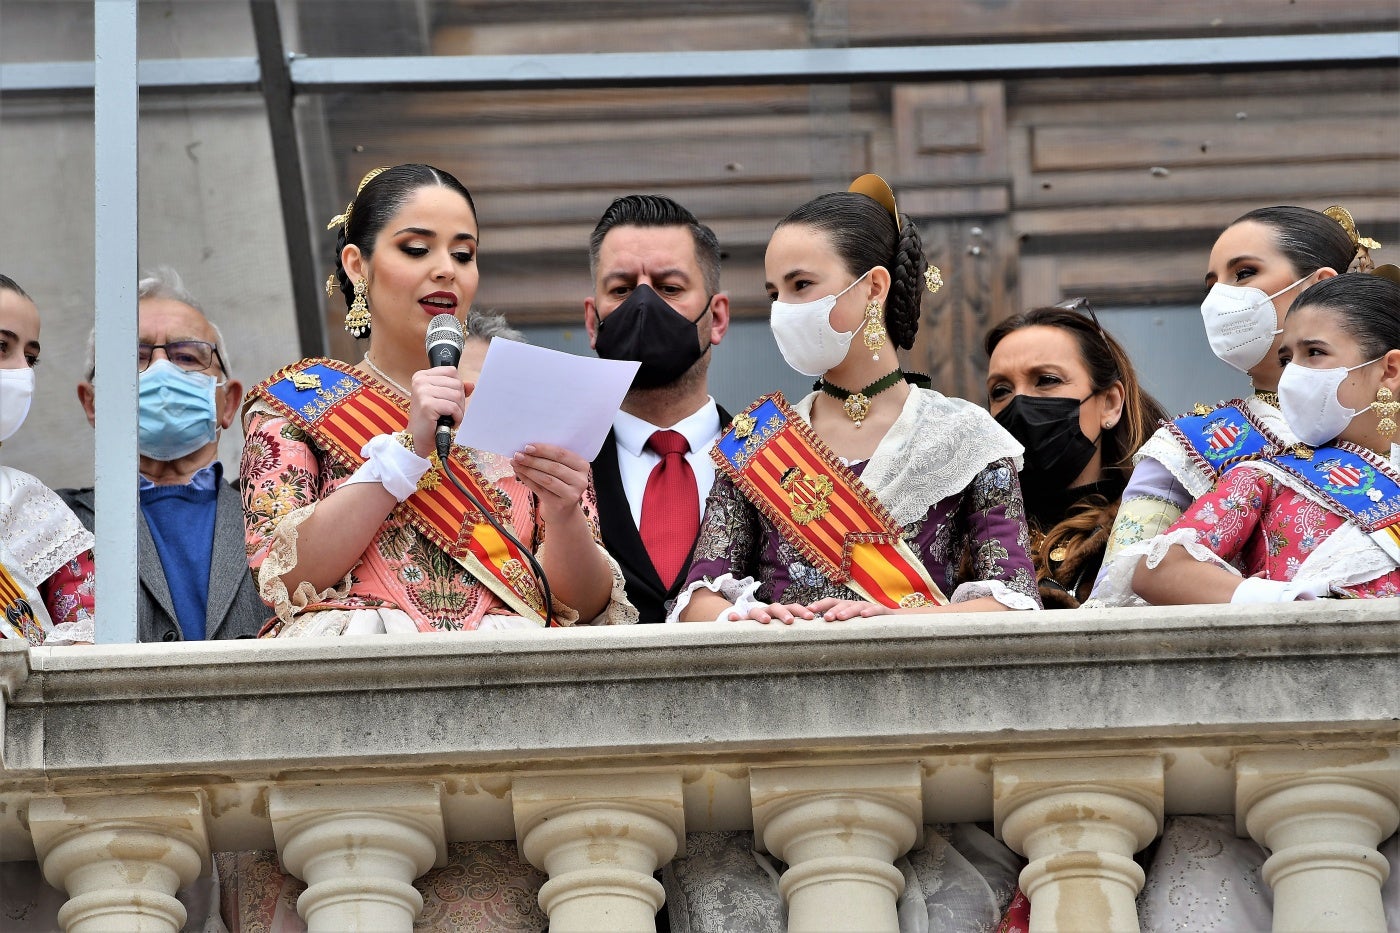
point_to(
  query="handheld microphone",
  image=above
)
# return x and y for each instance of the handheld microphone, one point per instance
(444, 344)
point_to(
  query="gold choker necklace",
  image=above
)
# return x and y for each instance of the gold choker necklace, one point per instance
(1267, 397)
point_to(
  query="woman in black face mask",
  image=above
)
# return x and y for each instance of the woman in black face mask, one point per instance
(1067, 391)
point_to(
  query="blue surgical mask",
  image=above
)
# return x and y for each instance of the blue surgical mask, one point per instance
(177, 411)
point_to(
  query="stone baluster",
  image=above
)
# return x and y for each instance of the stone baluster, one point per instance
(358, 848)
(600, 837)
(1079, 821)
(839, 828)
(121, 857)
(1322, 814)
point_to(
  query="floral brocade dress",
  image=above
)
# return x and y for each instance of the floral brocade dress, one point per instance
(47, 582)
(1260, 522)
(403, 582)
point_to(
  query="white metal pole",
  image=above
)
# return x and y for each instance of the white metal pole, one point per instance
(115, 111)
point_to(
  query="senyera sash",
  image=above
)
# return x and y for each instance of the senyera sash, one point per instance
(1360, 485)
(341, 409)
(1218, 438)
(819, 506)
(17, 617)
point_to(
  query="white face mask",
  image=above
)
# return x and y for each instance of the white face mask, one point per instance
(1241, 323)
(1308, 399)
(805, 336)
(16, 391)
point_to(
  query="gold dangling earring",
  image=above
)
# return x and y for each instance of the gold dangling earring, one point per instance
(357, 318)
(1385, 406)
(875, 334)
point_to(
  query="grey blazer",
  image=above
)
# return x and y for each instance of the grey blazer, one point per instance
(235, 609)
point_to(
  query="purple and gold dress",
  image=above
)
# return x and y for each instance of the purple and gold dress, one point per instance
(946, 471)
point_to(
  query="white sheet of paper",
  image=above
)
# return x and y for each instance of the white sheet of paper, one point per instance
(532, 395)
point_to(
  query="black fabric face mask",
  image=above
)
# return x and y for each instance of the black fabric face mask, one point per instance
(647, 329)
(1056, 450)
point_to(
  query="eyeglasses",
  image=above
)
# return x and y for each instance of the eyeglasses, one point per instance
(190, 355)
(1082, 306)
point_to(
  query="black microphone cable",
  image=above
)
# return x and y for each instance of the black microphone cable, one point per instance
(444, 345)
(535, 567)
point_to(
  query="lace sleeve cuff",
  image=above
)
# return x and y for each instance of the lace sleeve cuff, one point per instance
(1115, 588)
(737, 591)
(81, 631)
(618, 611)
(996, 589)
(282, 558)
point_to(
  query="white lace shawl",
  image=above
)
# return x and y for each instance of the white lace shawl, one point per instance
(37, 526)
(1347, 557)
(934, 450)
(1164, 447)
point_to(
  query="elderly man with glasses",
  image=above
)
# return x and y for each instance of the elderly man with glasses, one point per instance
(195, 581)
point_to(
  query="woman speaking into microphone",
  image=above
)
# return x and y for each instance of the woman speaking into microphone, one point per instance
(355, 526)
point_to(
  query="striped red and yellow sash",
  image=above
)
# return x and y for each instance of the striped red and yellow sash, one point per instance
(16, 614)
(819, 506)
(341, 409)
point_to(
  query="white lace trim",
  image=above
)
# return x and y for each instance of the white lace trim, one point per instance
(1116, 587)
(738, 591)
(282, 558)
(1167, 449)
(80, 631)
(976, 589)
(934, 450)
(39, 529)
(620, 610)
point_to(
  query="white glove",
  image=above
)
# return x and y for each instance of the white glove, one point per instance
(1259, 590)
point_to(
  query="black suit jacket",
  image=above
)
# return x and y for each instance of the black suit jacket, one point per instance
(234, 610)
(623, 541)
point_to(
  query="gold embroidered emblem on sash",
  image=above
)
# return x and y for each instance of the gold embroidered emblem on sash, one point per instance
(743, 426)
(808, 495)
(524, 585)
(304, 381)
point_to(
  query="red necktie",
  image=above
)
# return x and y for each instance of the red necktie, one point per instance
(670, 506)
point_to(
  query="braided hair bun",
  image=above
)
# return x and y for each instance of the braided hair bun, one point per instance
(862, 231)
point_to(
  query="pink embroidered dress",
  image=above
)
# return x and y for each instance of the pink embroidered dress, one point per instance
(403, 582)
(1260, 521)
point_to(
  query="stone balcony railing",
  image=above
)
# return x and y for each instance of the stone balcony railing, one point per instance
(359, 759)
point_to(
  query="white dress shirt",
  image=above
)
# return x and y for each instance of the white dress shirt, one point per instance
(635, 460)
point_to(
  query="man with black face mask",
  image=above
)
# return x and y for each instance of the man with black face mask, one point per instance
(656, 300)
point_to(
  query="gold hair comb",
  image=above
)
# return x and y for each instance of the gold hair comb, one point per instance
(343, 220)
(875, 187)
(1343, 216)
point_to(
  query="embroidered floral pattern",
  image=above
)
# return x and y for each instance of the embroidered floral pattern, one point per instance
(1261, 525)
(976, 535)
(285, 474)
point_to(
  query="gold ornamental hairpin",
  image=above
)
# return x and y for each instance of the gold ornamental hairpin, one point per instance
(933, 279)
(1343, 216)
(343, 219)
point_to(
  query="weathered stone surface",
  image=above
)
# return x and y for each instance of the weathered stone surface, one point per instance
(474, 711)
